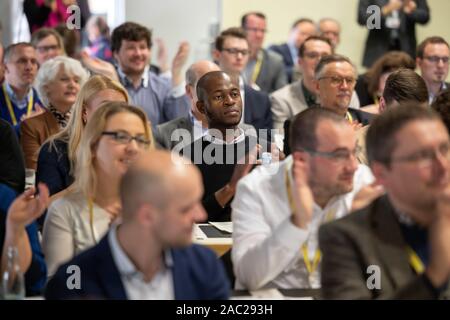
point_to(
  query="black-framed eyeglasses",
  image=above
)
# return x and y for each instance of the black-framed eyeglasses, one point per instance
(340, 155)
(236, 51)
(126, 138)
(338, 81)
(426, 157)
(315, 55)
(436, 59)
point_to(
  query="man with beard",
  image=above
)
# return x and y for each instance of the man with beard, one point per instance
(277, 213)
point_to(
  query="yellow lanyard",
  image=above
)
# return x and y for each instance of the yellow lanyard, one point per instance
(311, 266)
(415, 261)
(10, 107)
(91, 218)
(257, 68)
(349, 117)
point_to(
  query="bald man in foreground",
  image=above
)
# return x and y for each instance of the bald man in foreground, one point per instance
(150, 255)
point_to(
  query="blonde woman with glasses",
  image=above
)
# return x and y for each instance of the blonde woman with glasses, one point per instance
(56, 159)
(113, 138)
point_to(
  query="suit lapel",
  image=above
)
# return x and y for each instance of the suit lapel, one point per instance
(107, 272)
(389, 244)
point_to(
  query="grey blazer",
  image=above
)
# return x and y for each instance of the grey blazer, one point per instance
(163, 133)
(369, 237)
(272, 75)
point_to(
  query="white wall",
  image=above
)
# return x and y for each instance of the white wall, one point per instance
(195, 21)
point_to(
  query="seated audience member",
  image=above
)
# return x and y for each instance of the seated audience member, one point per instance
(48, 44)
(18, 230)
(370, 85)
(232, 53)
(432, 59)
(115, 135)
(131, 44)
(398, 246)
(161, 201)
(58, 83)
(265, 69)
(56, 161)
(442, 106)
(99, 39)
(330, 29)
(335, 78)
(18, 99)
(401, 86)
(301, 30)
(217, 153)
(300, 95)
(2, 68)
(195, 123)
(277, 209)
(12, 168)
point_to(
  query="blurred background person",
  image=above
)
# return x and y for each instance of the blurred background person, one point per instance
(99, 39)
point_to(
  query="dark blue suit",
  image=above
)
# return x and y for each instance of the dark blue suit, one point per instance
(197, 275)
(257, 109)
(283, 50)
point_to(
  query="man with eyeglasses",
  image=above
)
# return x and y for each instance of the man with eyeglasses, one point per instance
(399, 246)
(301, 30)
(18, 99)
(335, 78)
(300, 95)
(231, 53)
(265, 69)
(278, 209)
(432, 59)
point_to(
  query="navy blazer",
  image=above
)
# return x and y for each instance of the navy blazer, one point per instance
(257, 109)
(284, 51)
(197, 275)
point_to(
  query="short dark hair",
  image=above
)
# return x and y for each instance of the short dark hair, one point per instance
(302, 20)
(388, 62)
(9, 50)
(380, 138)
(302, 130)
(405, 85)
(255, 13)
(442, 106)
(301, 50)
(202, 83)
(430, 40)
(233, 32)
(332, 58)
(132, 32)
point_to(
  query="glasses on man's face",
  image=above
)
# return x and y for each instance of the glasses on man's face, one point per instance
(236, 51)
(339, 156)
(426, 157)
(436, 59)
(122, 137)
(338, 81)
(314, 55)
(256, 30)
(44, 49)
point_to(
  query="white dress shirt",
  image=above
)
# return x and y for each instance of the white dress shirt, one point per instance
(266, 244)
(159, 288)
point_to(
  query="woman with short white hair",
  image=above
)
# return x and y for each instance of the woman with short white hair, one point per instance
(58, 83)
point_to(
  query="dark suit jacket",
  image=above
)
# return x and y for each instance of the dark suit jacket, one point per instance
(12, 168)
(163, 133)
(283, 50)
(378, 40)
(197, 274)
(33, 133)
(369, 237)
(257, 109)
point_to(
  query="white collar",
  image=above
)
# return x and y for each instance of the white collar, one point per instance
(215, 136)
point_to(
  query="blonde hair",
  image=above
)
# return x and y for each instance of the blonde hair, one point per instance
(85, 173)
(72, 133)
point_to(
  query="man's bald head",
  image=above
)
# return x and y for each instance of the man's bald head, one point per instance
(198, 69)
(155, 178)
